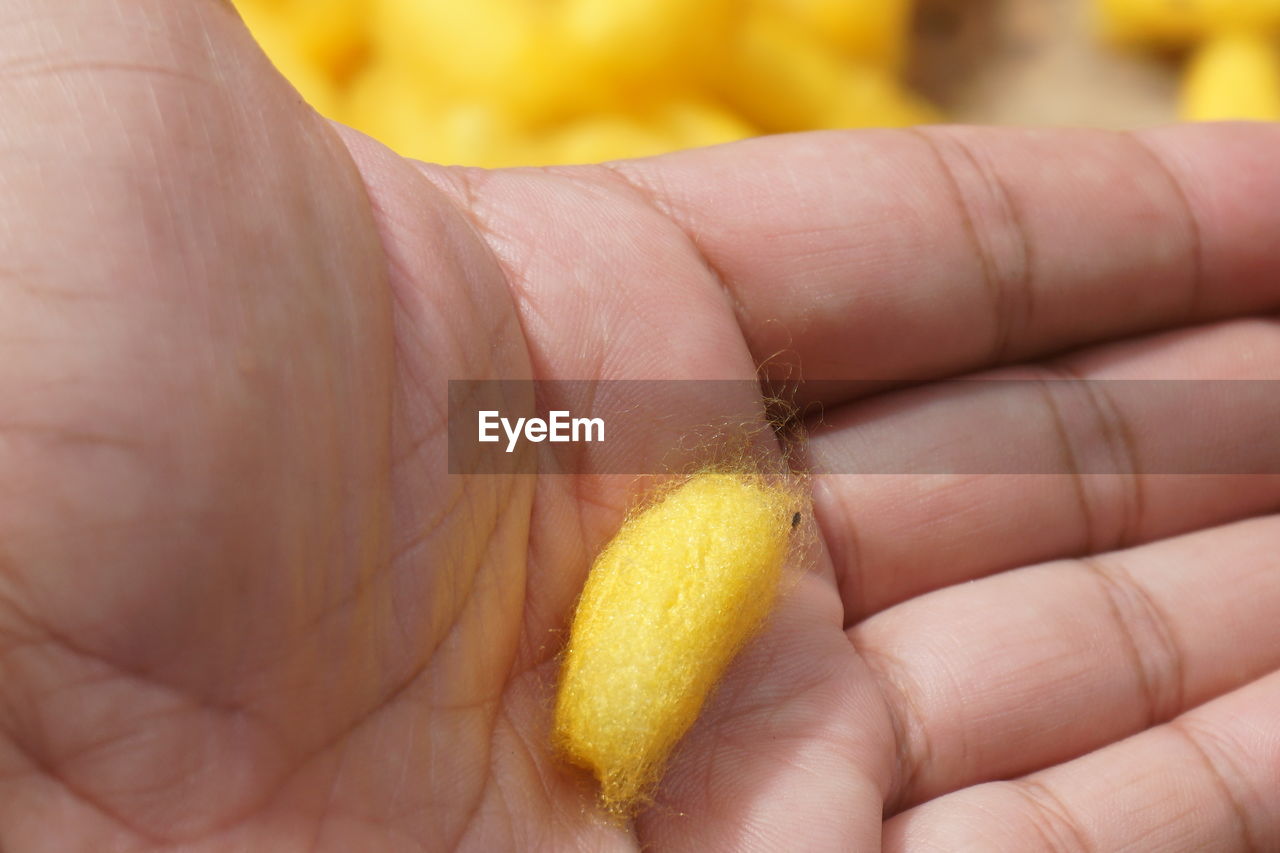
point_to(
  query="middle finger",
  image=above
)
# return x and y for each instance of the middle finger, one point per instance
(1054, 469)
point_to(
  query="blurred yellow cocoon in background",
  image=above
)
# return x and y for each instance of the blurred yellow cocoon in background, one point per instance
(272, 28)
(539, 82)
(1177, 23)
(533, 82)
(1233, 76)
(1234, 66)
(783, 80)
(873, 30)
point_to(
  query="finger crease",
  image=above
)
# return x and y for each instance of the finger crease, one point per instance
(1195, 246)
(1011, 291)
(1052, 818)
(1119, 455)
(1183, 729)
(912, 747)
(1145, 630)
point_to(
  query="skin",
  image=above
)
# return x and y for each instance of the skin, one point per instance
(243, 605)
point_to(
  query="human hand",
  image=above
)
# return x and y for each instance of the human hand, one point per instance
(243, 605)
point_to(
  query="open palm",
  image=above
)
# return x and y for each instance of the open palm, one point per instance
(243, 605)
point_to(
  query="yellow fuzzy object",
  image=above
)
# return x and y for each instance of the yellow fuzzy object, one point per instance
(1234, 76)
(668, 604)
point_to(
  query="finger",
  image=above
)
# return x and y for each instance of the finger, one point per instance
(1206, 781)
(1012, 673)
(909, 254)
(1105, 459)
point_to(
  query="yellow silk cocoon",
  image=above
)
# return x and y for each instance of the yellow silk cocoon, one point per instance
(668, 604)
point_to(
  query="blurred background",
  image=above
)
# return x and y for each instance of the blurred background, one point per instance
(542, 82)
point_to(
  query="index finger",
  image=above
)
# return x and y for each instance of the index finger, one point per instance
(913, 254)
